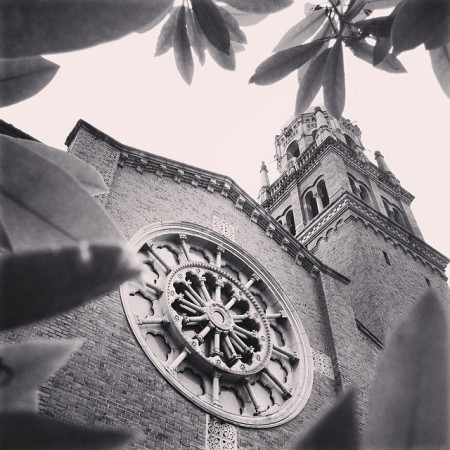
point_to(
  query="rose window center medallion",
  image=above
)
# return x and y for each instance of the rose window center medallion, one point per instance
(214, 324)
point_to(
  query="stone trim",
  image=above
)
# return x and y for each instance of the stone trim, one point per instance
(220, 435)
(322, 364)
(309, 159)
(320, 227)
(215, 184)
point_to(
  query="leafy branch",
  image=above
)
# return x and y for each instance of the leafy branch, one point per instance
(214, 27)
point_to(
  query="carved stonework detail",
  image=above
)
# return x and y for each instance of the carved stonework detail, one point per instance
(161, 170)
(220, 435)
(226, 189)
(255, 216)
(322, 364)
(270, 230)
(285, 244)
(195, 180)
(141, 165)
(219, 329)
(222, 227)
(240, 202)
(179, 175)
(211, 185)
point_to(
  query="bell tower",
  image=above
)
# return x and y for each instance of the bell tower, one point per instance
(354, 215)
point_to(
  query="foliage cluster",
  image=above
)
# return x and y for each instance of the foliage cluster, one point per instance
(313, 46)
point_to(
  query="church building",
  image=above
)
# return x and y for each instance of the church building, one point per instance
(254, 315)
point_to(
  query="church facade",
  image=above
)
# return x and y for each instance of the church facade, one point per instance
(253, 316)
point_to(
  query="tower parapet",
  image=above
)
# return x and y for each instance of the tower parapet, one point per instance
(314, 126)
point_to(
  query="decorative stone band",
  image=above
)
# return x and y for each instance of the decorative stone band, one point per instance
(309, 159)
(359, 210)
(322, 364)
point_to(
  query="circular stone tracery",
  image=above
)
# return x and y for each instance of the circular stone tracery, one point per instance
(230, 322)
(216, 325)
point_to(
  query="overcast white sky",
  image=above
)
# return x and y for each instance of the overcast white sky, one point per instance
(223, 124)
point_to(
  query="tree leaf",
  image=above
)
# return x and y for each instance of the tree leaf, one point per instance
(29, 365)
(334, 81)
(212, 24)
(416, 21)
(42, 205)
(83, 172)
(441, 36)
(194, 36)
(379, 26)
(365, 51)
(408, 404)
(440, 61)
(182, 48)
(36, 285)
(309, 8)
(24, 77)
(25, 431)
(165, 38)
(226, 61)
(33, 27)
(281, 64)
(311, 82)
(381, 50)
(381, 4)
(259, 6)
(236, 34)
(335, 430)
(323, 33)
(157, 18)
(245, 19)
(353, 9)
(302, 31)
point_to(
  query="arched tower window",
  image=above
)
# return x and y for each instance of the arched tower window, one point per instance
(293, 151)
(398, 216)
(323, 193)
(364, 194)
(290, 222)
(353, 185)
(311, 206)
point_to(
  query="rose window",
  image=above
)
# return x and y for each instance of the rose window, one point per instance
(215, 324)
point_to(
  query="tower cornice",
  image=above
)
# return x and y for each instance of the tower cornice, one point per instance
(348, 207)
(309, 159)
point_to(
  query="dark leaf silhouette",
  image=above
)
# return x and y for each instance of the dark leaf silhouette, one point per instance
(322, 34)
(373, 5)
(440, 61)
(36, 285)
(224, 60)
(165, 38)
(283, 63)
(182, 48)
(416, 21)
(302, 31)
(379, 27)
(194, 36)
(365, 51)
(42, 205)
(259, 6)
(245, 19)
(83, 172)
(335, 430)
(157, 18)
(381, 50)
(408, 405)
(441, 36)
(236, 34)
(33, 28)
(311, 82)
(26, 431)
(24, 77)
(29, 365)
(334, 81)
(212, 24)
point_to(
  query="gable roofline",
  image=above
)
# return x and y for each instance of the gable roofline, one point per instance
(214, 183)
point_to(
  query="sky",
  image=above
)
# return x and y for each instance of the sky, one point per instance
(222, 123)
